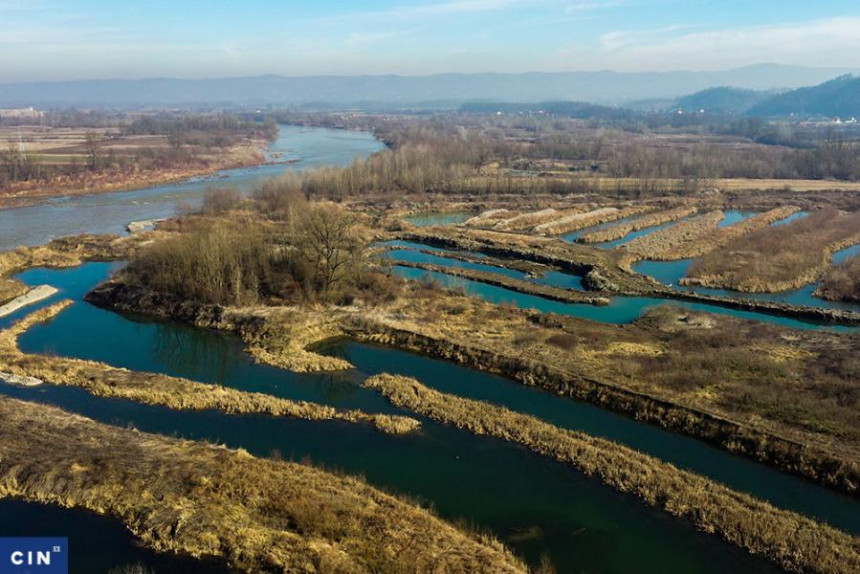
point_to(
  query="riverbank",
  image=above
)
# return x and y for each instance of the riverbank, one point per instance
(208, 501)
(172, 392)
(24, 194)
(32, 296)
(795, 543)
(581, 359)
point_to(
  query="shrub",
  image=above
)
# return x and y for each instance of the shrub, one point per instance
(565, 341)
(220, 201)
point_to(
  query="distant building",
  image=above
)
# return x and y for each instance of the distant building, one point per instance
(21, 113)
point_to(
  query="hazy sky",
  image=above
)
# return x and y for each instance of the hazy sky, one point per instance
(74, 39)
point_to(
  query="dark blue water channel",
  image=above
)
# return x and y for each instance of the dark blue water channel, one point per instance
(536, 505)
(97, 544)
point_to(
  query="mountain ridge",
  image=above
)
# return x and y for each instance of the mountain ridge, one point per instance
(606, 87)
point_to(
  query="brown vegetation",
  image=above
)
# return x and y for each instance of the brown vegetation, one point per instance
(577, 221)
(10, 289)
(202, 500)
(784, 397)
(842, 282)
(70, 252)
(242, 260)
(795, 543)
(667, 243)
(779, 258)
(621, 230)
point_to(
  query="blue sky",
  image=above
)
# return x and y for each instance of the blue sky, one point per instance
(78, 39)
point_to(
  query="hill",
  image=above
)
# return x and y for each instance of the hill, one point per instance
(723, 100)
(837, 98)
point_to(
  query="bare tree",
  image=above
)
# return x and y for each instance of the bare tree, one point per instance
(92, 145)
(326, 239)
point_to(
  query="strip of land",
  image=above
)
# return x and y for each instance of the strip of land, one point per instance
(621, 230)
(206, 501)
(172, 392)
(794, 542)
(780, 258)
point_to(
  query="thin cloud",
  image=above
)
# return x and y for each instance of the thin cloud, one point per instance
(360, 39)
(828, 42)
(438, 9)
(622, 39)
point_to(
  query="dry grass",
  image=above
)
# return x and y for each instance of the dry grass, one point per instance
(621, 230)
(577, 221)
(668, 243)
(71, 251)
(10, 289)
(842, 282)
(195, 498)
(526, 220)
(725, 235)
(795, 543)
(172, 392)
(779, 258)
(794, 406)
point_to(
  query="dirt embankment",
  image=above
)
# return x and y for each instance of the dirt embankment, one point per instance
(794, 542)
(202, 500)
(517, 285)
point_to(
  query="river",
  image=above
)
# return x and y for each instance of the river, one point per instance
(296, 148)
(535, 505)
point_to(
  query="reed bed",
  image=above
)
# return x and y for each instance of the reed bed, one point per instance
(577, 221)
(622, 230)
(722, 236)
(842, 282)
(176, 393)
(779, 258)
(665, 244)
(208, 501)
(795, 543)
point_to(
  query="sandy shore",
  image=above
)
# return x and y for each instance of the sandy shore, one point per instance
(34, 295)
